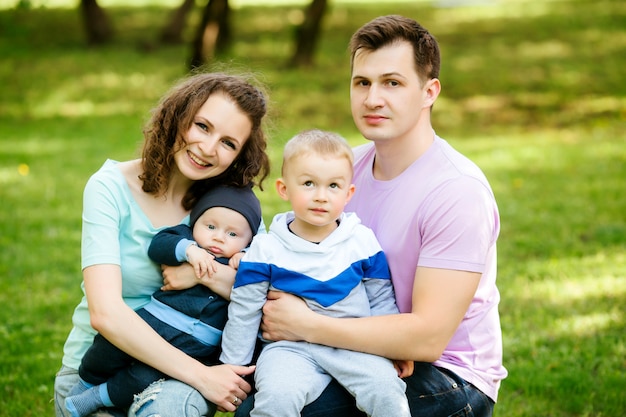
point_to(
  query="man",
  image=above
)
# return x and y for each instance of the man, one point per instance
(437, 221)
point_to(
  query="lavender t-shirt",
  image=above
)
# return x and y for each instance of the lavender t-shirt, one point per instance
(440, 213)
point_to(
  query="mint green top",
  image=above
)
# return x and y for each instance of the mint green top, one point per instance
(115, 231)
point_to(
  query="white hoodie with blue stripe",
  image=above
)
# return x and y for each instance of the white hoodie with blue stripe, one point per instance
(345, 275)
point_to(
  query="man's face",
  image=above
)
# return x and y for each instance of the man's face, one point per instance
(386, 94)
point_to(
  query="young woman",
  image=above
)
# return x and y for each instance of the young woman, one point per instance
(207, 130)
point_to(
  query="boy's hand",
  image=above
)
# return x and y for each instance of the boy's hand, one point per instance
(404, 368)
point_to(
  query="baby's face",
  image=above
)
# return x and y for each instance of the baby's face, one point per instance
(222, 231)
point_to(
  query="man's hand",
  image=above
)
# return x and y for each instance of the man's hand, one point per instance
(284, 317)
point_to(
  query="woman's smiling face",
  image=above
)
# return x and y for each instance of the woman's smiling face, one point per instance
(217, 135)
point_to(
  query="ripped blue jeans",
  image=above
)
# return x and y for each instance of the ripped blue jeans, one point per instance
(171, 398)
(162, 398)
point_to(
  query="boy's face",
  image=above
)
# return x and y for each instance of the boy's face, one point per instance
(318, 188)
(222, 231)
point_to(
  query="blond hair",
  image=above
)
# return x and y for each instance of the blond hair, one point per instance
(319, 142)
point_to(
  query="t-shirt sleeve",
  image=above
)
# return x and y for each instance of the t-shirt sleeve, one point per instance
(459, 226)
(101, 220)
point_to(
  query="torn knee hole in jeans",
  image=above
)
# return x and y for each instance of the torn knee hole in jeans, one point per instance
(147, 395)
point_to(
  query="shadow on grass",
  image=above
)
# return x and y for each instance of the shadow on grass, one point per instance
(564, 353)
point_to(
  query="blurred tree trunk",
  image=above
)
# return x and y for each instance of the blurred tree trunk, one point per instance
(213, 35)
(307, 34)
(97, 24)
(172, 32)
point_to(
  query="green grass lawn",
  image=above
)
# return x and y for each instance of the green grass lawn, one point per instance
(533, 91)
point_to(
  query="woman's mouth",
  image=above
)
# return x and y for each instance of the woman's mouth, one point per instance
(196, 160)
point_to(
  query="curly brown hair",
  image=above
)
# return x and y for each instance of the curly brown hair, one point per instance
(174, 115)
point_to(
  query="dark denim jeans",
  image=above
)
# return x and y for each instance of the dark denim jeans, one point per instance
(432, 392)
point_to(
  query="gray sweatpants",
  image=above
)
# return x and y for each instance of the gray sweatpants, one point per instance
(290, 375)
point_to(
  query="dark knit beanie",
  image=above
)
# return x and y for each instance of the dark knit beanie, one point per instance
(242, 200)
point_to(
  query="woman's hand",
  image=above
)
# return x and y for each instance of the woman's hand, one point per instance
(224, 385)
(285, 317)
(183, 277)
(178, 277)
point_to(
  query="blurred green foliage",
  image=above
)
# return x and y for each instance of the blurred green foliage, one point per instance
(533, 91)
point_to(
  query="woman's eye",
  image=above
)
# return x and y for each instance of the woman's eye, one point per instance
(230, 144)
(202, 126)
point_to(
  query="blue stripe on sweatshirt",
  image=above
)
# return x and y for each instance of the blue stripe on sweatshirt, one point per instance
(325, 292)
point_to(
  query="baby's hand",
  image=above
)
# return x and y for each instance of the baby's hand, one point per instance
(201, 260)
(234, 260)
